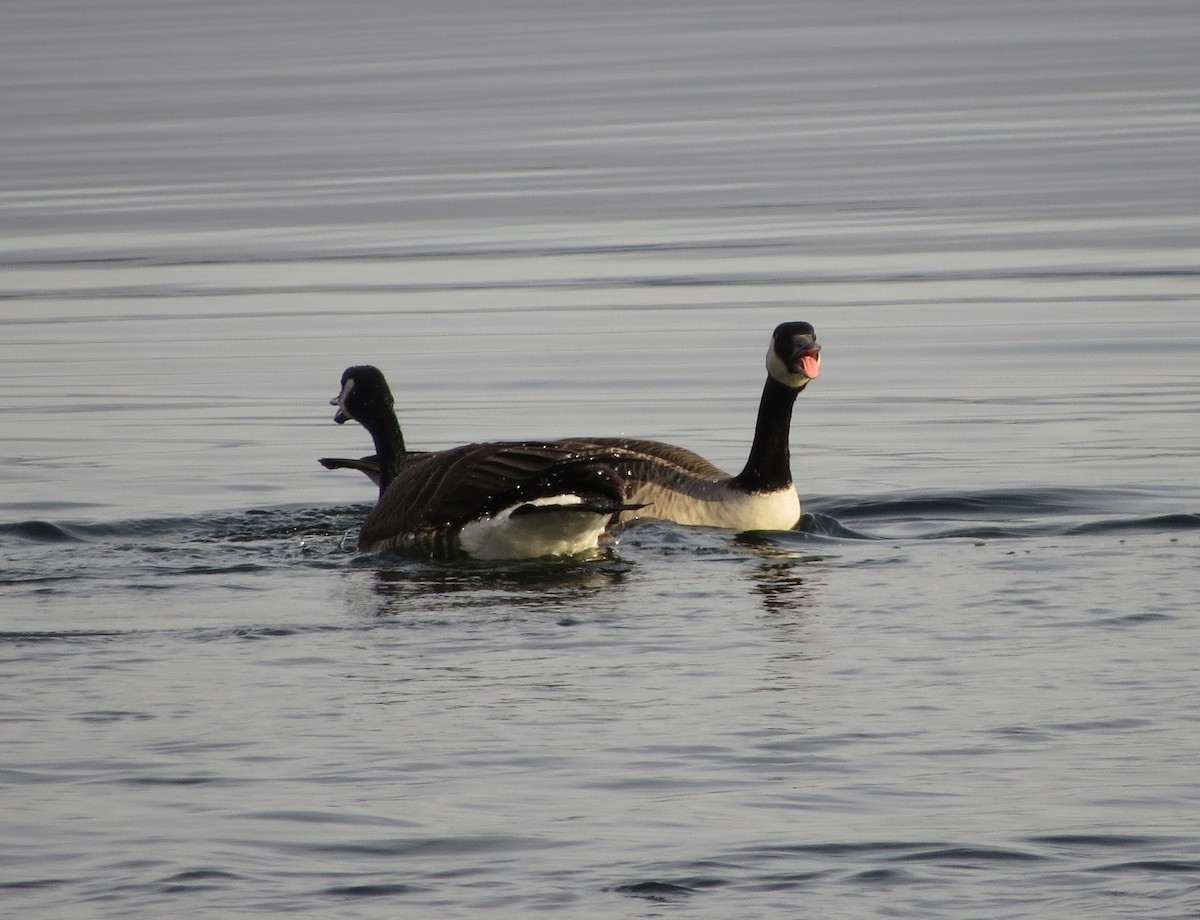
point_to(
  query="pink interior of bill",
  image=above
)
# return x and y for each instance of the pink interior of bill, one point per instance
(810, 366)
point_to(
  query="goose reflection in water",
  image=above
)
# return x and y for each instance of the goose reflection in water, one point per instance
(407, 588)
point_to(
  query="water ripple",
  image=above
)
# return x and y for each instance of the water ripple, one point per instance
(991, 514)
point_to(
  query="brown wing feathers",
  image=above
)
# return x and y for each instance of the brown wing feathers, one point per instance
(452, 487)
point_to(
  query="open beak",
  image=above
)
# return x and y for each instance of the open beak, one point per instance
(808, 360)
(340, 416)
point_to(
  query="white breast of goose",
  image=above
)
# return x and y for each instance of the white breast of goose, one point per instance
(715, 505)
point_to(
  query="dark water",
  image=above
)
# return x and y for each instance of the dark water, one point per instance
(964, 687)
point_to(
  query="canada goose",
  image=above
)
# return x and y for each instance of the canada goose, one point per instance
(674, 484)
(500, 500)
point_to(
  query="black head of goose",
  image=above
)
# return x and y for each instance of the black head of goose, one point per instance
(497, 500)
(366, 397)
(674, 484)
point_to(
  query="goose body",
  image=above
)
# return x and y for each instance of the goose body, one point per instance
(670, 483)
(498, 500)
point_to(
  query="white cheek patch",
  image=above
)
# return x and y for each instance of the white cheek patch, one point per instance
(779, 371)
(340, 399)
(343, 414)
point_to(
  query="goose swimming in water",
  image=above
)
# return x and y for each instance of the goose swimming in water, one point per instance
(659, 481)
(499, 500)
(674, 484)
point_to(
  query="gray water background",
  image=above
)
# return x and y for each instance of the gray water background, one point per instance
(964, 687)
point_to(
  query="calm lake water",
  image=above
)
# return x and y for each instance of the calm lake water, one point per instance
(964, 687)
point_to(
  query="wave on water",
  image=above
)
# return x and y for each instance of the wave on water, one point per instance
(46, 556)
(254, 525)
(995, 514)
(804, 867)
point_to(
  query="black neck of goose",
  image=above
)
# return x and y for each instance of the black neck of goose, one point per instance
(389, 446)
(769, 466)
